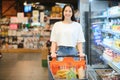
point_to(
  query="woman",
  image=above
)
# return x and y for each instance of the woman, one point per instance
(67, 34)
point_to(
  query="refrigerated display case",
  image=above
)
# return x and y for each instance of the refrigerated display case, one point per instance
(106, 34)
(103, 42)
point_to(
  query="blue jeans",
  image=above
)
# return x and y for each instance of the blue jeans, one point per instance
(64, 50)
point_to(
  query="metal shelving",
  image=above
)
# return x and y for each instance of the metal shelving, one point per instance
(108, 60)
(111, 31)
(112, 48)
(112, 64)
(98, 17)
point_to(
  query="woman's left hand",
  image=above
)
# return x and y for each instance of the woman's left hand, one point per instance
(82, 55)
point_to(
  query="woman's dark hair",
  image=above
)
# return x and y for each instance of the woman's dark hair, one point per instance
(73, 17)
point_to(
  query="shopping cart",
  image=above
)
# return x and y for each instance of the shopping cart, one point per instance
(70, 68)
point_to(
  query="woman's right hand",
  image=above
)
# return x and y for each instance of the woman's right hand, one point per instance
(53, 54)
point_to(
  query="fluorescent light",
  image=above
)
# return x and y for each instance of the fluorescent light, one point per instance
(90, 0)
(37, 3)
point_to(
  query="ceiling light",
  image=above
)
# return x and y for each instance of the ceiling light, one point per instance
(25, 3)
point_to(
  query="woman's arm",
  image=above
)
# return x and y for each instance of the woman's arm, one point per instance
(53, 49)
(80, 50)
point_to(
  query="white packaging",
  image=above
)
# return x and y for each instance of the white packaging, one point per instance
(35, 19)
(20, 15)
(42, 15)
(9, 32)
(14, 20)
(35, 13)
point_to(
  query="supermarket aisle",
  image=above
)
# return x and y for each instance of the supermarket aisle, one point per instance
(22, 67)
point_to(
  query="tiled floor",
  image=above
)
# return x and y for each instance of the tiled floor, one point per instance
(22, 66)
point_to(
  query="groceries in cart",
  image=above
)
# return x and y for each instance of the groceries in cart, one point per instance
(68, 69)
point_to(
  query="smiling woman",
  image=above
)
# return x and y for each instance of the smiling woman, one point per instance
(67, 34)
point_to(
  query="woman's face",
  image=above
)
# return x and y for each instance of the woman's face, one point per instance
(68, 12)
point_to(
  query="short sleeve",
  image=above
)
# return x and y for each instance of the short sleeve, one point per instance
(53, 34)
(80, 34)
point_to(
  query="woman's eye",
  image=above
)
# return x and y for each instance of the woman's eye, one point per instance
(68, 11)
(65, 10)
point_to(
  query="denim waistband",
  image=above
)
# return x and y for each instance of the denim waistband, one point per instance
(65, 50)
(65, 47)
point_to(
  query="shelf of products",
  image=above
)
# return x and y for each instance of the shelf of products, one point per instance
(17, 37)
(106, 33)
(28, 33)
(111, 32)
(107, 74)
(98, 17)
(111, 47)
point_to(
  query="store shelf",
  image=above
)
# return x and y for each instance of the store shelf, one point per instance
(98, 23)
(53, 20)
(4, 23)
(109, 16)
(21, 50)
(98, 17)
(56, 18)
(111, 31)
(115, 66)
(112, 48)
(21, 36)
(114, 16)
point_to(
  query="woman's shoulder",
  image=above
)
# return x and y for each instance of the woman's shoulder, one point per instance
(58, 22)
(76, 23)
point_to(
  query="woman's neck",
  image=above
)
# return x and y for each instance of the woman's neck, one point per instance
(67, 21)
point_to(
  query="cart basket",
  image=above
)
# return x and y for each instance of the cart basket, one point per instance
(71, 67)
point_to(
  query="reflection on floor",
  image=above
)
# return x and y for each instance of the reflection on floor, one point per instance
(20, 66)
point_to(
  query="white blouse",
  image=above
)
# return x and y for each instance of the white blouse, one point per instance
(67, 34)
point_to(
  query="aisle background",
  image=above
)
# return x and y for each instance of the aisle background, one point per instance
(22, 66)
